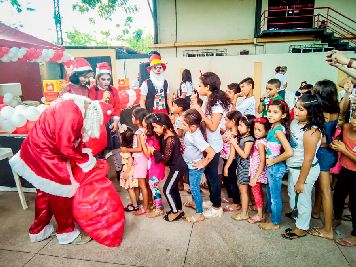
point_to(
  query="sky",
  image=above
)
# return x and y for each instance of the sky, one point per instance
(40, 22)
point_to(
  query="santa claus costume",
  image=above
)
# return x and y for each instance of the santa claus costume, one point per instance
(45, 158)
(155, 92)
(80, 73)
(104, 91)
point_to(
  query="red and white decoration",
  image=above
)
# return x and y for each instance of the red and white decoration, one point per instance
(18, 119)
(23, 54)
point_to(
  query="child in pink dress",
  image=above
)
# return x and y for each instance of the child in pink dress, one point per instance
(155, 170)
(257, 170)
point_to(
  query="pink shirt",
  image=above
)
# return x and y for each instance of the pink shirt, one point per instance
(154, 169)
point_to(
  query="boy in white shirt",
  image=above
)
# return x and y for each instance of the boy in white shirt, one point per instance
(248, 105)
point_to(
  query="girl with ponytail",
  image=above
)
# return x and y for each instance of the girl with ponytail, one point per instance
(195, 145)
(212, 110)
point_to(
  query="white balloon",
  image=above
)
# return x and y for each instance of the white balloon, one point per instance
(41, 108)
(7, 112)
(18, 120)
(8, 97)
(21, 109)
(7, 126)
(32, 114)
(14, 103)
(43, 99)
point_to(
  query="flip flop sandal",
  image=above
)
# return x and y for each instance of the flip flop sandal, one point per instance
(189, 204)
(289, 215)
(130, 208)
(345, 243)
(315, 217)
(254, 221)
(81, 239)
(155, 213)
(291, 235)
(225, 200)
(228, 208)
(347, 218)
(315, 232)
(238, 217)
(192, 219)
(180, 216)
(140, 212)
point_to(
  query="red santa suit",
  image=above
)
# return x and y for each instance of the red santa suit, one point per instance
(44, 160)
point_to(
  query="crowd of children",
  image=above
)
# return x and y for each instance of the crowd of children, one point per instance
(259, 144)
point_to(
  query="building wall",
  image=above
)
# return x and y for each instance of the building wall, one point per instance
(235, 68)
(201, 20)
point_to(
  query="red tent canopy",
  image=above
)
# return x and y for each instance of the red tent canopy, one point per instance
(10, 37)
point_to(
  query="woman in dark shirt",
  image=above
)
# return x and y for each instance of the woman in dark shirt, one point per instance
(171, 154)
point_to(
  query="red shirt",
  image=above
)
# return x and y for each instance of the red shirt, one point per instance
(97, 94)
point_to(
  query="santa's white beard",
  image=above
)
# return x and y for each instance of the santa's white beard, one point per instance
(157, 79)
(92, 123)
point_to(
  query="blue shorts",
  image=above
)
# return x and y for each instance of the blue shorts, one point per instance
(327, 158)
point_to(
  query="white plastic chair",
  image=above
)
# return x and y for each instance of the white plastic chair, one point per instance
(6, 153)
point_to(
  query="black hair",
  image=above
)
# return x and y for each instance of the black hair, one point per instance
(308, 87)
(149, 119)
(186, 76)
(181, 102)
(163, 119)
(249, 121)
(285, 111)
(193, 117)
(264, 122)
(326, 90)
(275, 82)
(200, 101)
(127, 137)
(154, 53)
(277, 69)
(74, 77)
(217, 96)
(234, 115)
(139, 114)
(315, 115)
(234, 87)
(248, 80)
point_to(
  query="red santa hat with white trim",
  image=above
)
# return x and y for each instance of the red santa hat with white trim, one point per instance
(81, 64)
(103, 67)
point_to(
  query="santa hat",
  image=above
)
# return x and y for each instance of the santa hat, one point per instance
(80, 64)
(155, 62)
(103, 67)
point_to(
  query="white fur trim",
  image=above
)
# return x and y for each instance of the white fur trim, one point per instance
(100, 111)
(100, 71)
(20, 167)
(89, 165)
(67, 238)
(84, 68)
(44, 234)
(79, 101)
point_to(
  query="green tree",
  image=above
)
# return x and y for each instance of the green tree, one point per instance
(78, 38)
(139, 42)
(19, 6)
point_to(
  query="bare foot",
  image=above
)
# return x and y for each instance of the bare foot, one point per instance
(268, 226)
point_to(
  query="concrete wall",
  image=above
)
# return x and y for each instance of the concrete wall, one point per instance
(201, 20)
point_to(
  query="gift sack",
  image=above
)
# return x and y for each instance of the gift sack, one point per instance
(97, 207)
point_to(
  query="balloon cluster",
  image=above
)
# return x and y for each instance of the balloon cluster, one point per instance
(129, 98)
(19, 120)
(23, 54)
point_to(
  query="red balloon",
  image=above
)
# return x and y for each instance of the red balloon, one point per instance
(3, 105)
(1, 99)
(124, 99)
(30, 125)
(21, 130)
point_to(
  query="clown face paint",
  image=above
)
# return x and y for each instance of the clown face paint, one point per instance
(158, 69)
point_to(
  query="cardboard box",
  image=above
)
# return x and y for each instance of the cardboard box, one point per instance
(51, 89)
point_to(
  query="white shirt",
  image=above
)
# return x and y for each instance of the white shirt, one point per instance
(214, 138)
(297, 144)
(186, 87)
(247, 106)
(144, 89)
(159, 101)
(283, 79)
(194, 146)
